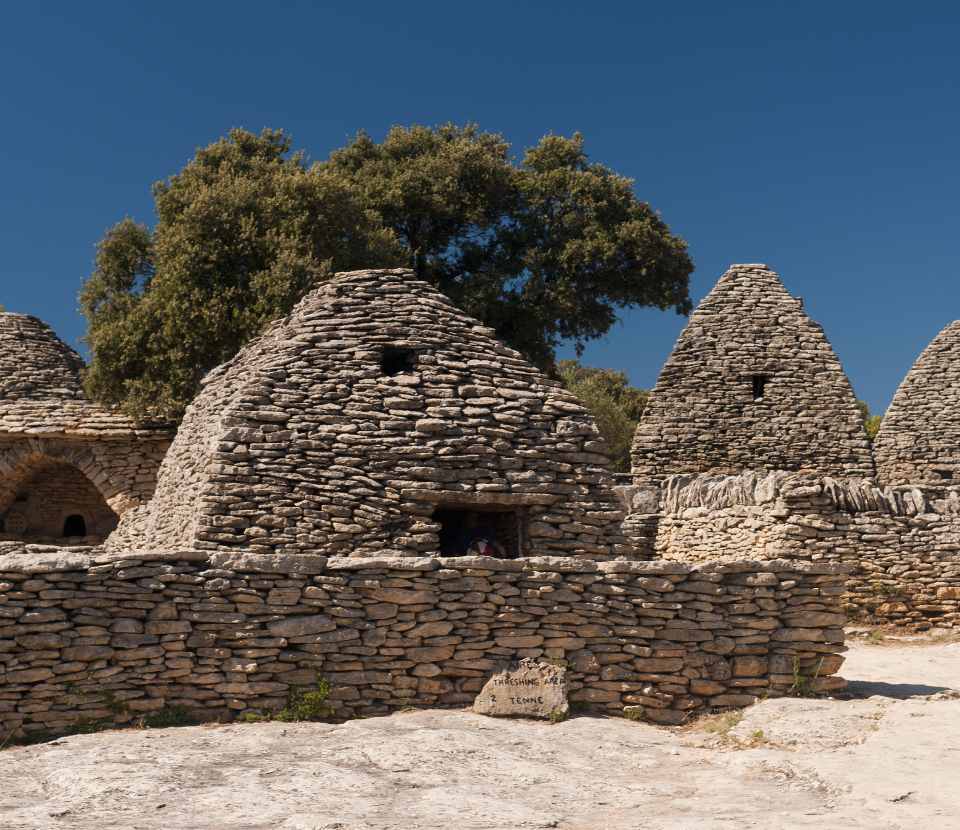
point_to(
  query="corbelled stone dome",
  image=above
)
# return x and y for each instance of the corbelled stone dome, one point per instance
(752, 384)
(919, 437)
(35, 364)
(62, 456)
(41, 391)
(379, 417)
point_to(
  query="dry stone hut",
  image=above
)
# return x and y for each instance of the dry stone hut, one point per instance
(379, 419)
(376, 426)
(68, 468)
(919, 438)
(752, 446)
(752, 384)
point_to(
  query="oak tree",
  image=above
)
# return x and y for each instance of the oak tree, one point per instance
(545, 249)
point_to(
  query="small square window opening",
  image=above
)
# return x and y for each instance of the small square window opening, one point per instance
(395, 361)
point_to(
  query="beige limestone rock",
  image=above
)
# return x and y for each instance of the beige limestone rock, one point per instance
(527, 688)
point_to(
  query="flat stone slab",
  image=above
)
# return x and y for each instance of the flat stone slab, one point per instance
(526, 689)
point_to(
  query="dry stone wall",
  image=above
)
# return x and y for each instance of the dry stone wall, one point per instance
(35, 363)
(346, 426)
(41, 392)
(93, 636)
(902, 543)
(752, 384)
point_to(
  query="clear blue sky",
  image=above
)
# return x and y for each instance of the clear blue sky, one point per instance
(821, 138)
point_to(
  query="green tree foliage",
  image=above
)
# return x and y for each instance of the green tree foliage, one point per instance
(615, 405)
(242, 233)
(871, 423)
(544, 250)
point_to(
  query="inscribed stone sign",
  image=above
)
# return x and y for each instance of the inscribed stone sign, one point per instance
(526, 689)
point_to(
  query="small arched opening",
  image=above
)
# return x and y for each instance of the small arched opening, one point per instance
(54, 502)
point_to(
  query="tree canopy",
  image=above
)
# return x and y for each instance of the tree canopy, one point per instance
(615, 405)
(871, 423)
(242, 233)
(545, 250)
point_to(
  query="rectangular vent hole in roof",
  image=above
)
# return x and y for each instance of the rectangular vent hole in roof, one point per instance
(396, 361)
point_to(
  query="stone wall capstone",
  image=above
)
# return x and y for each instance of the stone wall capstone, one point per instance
(902, 543)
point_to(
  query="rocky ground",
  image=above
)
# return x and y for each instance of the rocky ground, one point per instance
(886, 759)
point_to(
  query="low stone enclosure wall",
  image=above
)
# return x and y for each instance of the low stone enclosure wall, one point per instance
(902, 543)
(87, 636)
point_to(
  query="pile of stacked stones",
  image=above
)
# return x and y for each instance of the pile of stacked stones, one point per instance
(902, 542)
(343, 428)
(41, 392)
(294, 533)
(94, 637)
(752, 446)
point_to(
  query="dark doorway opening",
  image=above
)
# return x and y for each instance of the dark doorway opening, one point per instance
(396, 361)
(759, 383)
(74, 525)
(471, 532)
(944, 475)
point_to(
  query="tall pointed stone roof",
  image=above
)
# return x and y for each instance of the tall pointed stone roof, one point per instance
(752, 384)
(347, 426)
(919, 438)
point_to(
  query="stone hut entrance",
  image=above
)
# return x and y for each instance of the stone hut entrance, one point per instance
(52, 501)
(467, 531)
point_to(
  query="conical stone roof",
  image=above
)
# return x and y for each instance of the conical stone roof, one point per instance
(34, 363)
(752, 384)
(41, 392)
(346, 426)
(919, 438)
